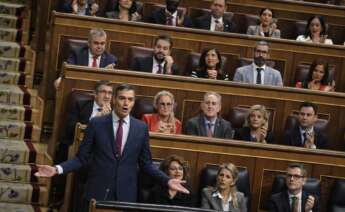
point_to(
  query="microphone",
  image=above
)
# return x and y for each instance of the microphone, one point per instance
(106, 194)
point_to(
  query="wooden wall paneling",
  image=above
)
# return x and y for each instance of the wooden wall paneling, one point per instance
(120, 49)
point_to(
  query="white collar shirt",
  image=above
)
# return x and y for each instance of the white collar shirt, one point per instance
(299, 198)
(225, 204)
(125, 128)
(155, 66)
(98, 60)
(213, 22)
(262, 73)
(95, 110)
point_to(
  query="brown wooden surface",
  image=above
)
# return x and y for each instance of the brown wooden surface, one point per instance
(189, 92)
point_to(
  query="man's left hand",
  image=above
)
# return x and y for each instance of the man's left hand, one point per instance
(175, 184)
(309, 203)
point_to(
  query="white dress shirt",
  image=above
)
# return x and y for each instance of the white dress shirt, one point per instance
(299, 199)
(94, 110)
(262, 73)
(91, 59)
(155, 66)
(213, 22)
(225, 204)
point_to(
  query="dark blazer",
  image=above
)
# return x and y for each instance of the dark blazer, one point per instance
(196, 126)
(145, 64)
(293, 138)
(202, 73)
(244, 134)
(67, 8)
(208, 201)
(112, 178)
(279, 202)
(81, 57)
(159, 17)
(204, 22)
(160, 195)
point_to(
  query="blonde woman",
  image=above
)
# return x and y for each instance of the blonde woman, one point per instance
(224, 197)
(164, 120)
(255, 127)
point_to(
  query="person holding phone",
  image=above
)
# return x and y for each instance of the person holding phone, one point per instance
(161, 61)
(318, 77)
(255, 127)
(267, 26)
(294, 198)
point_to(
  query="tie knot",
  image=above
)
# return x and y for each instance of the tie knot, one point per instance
(259, 69)
(294, 198)
(99, 109)
(120, 121)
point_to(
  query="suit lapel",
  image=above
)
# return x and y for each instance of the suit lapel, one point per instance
(85, 56)
(286, 202)
(208, 22)
(217, 128)
(297, 136)
(102, 61)
(202, 126)
(131, 133)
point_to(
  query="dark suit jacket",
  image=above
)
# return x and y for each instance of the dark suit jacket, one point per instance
(145, 64)
(160, 195)
(79, 112)
(204, 22)
(293, 138)
(67, 8)
(196, 126)
(112, 178)
(279, 202)
(81, 57)
(159, 17)
(244, 134)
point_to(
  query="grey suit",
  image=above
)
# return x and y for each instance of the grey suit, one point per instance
(255, 30)
(271, 76)
(209, 201)
(196, 126)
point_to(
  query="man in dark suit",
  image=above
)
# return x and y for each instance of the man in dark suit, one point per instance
(209, 123)
(92, 55)
(161, 62)
(170, 15)
(304, 134)
(294, 198)
(113, 148)
(217, 20)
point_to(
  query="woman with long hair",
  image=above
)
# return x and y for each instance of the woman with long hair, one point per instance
(315, 31)
(210, 64)
(224, 197)
(317, 78)
(125, 10)
(164, 121)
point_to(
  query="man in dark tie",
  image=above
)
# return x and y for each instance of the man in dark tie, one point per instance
(209, 123)
(294, 198)
(259, 72)
(161, 62)
(304, 134)
(217, 20)
(93, 54)
(113, 148)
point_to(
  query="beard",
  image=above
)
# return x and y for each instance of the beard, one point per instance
(259, 61)
(159, 57)
(172, 6)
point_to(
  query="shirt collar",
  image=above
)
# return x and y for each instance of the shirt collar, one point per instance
(213, 19)
(303, 130)
(255, 66)
(116, 118)
(95, 105)
(174, 14)
(155, 62)
(217, 194)
(213, 122)
(91, 55)
(299, 195)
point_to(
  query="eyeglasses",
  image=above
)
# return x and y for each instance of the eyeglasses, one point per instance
(295, 176)
(162, 104)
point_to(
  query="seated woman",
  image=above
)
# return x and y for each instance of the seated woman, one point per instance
(315, 31)
(255, 126)
(125, 10)
(210, 64)
(317, 78)
(164, 120)
(267, 26)
(224, 197)
(174, 167)
(81, 7)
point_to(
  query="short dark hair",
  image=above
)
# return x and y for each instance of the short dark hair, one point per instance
(131, 10)
(316, 62)
(309, 104)
(202, 63)
(264, 9)
(167, 161)
(300, 166)
(323, 26)
(123, 87)
(102, 83)
(164, 37)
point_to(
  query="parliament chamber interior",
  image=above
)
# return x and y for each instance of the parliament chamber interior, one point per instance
(250, 88)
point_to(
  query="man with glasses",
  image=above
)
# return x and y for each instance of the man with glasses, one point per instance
(304, 134)
(294, 198)
(259, 72)
(209, 123)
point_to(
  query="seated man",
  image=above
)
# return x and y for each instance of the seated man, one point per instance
(216, 21)
(92, 55)
(304, 134)
(258, 72)
(160, 62)
(294, 198)
(84, 110)
(209, 123)
(170, 15)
